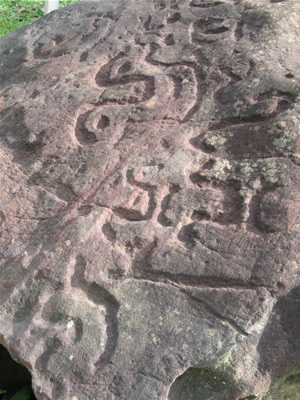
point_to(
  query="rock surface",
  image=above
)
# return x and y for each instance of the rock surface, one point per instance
(149, 203)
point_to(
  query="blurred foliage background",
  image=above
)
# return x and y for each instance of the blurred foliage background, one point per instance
(16, 13)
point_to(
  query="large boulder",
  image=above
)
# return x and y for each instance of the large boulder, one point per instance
(149, 203)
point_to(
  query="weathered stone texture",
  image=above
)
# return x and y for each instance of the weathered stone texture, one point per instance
(149, 203)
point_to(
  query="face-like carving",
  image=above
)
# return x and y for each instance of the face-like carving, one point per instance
(151, 199)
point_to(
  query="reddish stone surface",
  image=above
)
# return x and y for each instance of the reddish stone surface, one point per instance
(149, 203)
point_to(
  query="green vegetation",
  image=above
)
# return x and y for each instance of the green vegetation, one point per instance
(25, 393)
(16, 13)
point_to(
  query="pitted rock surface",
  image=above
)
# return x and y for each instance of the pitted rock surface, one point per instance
(150, 200)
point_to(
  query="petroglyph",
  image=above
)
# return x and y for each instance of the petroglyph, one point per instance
(150, 197)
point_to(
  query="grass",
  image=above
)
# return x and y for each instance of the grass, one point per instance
(16, 13)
